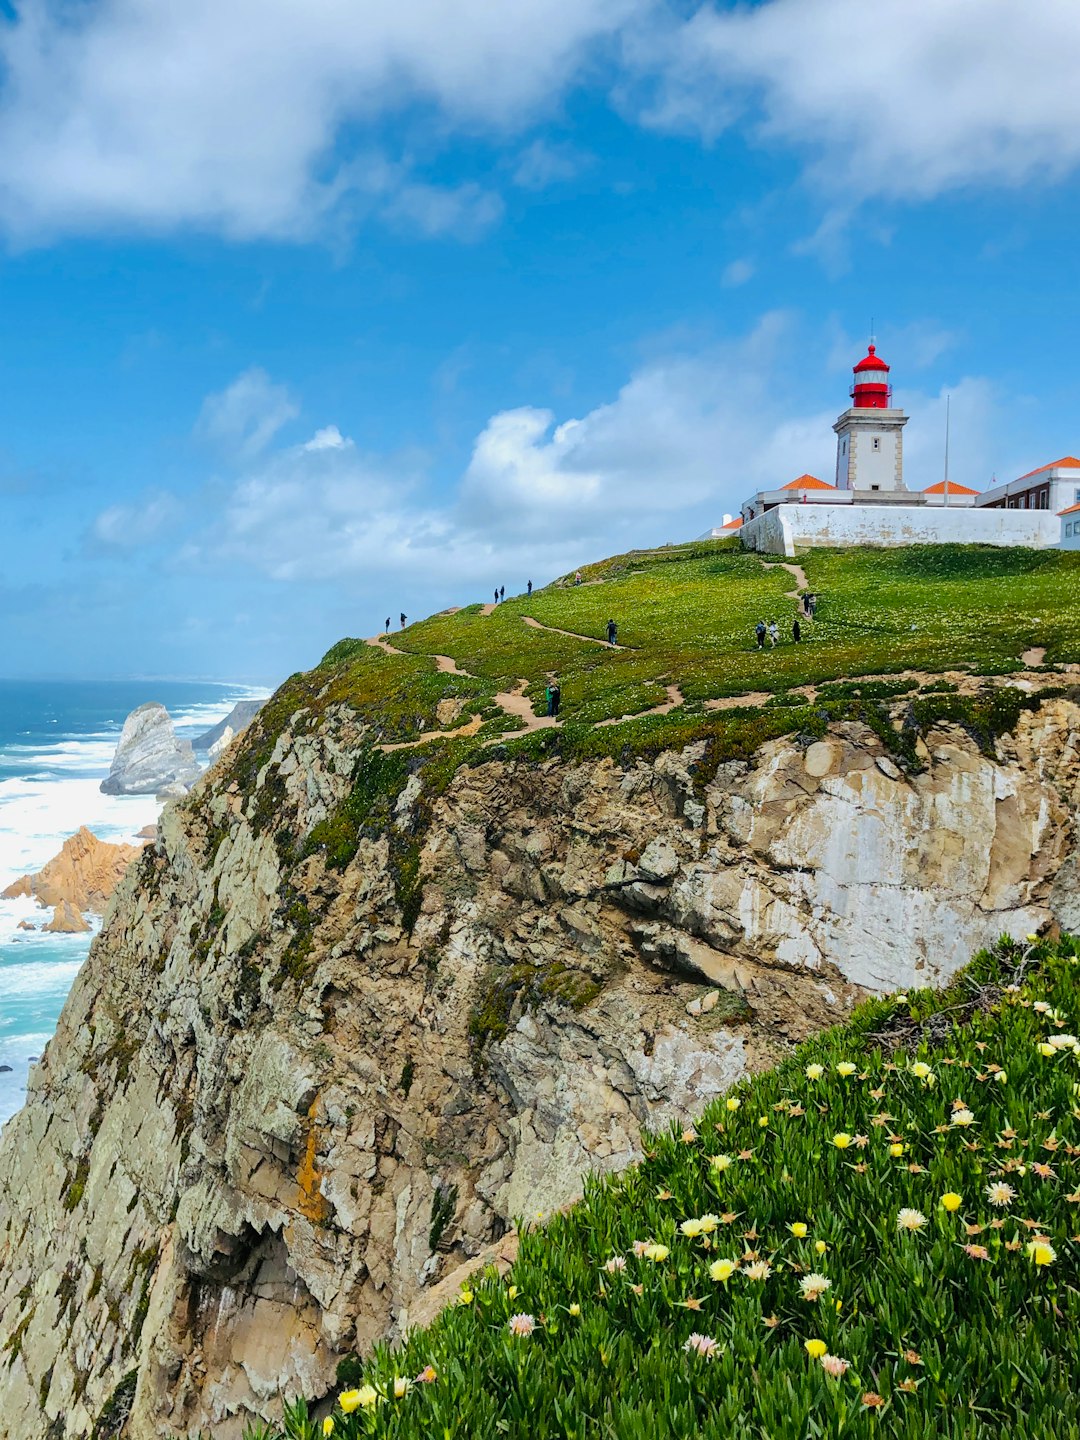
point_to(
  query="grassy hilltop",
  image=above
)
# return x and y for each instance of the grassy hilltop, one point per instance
(889, 623)
(877, 1238)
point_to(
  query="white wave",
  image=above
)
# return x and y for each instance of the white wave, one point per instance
(40, 980)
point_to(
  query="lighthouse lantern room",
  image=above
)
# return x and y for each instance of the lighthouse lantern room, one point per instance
(869, 435)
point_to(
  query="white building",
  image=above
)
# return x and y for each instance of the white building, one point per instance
(1070, 527)
(1051, 487)
(870, 504)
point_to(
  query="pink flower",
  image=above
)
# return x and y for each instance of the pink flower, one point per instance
(617, 1262)
(521, 1324)
(833, 1365)
(427, 1376)
(703, 1345)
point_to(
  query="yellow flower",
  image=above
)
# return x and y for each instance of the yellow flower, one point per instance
(820, 1246)
(951, 1201)
(1046, 1050)
(575, 1309)
(1001, 1077)
(720, 1162)
(657, 1253)
(328, 1426)
(349, 1400)
(722, 1269)
(815, 1072)
(815, 1348)
(763, 1121)
(896, 1150)
(1041, 1252)
(512, 1292)
(465, 1297)
(733, 1102)
(368, 1397)
(401, 1387)
(798, 1229)
(845, 1068)
(841, 1140)
(692, 1229)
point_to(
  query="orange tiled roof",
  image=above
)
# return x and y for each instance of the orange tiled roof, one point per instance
(954, 489)
(807, 482)
(1069, 510)
(732, 524)
(1068, 462)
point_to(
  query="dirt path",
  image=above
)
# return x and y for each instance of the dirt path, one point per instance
(801, 581)
(449, 666)
(462, 732)
(489, 608)
(380, 644)
(673, 702)
(1035, 656)
(573, 635)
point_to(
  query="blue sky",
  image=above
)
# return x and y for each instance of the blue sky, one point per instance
(313, 313)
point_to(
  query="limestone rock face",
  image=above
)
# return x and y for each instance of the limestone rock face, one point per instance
(149, 756)
(84, 874)
(66, 920)
(238, 718)
(286, 1101)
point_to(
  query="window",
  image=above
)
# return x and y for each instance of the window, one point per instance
(1068, 529)
(877, 442)
(875, 487)
(1076, 493)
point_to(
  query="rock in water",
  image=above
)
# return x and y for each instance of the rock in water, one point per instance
(66, 920)
(149, 756)
(238, 718)
(85, 873)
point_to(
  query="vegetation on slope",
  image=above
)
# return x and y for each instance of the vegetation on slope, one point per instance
(877, 1238)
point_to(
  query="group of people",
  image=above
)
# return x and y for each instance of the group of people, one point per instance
(500, 593)
(386, 627)
(771, 631)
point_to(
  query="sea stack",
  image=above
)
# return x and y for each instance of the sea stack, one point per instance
(149, 757)
(85, 873)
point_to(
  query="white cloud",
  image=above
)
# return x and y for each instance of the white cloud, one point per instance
(243, 418)
(542, 164)
(224, 114)
(903, 98)
(130, 527)
(738, 272)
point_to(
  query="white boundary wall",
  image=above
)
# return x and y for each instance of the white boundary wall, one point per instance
(787, 529)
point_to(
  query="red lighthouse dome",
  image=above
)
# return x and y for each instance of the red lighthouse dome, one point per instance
(871, 390)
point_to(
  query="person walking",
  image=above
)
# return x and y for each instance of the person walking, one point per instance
(812, 600)
(806, 603)
(547, 700)
(577, 578)
(612, 631)
(774, 634)
(796, 630)
(759, 631)
(386, 627)
(556, 699)
(496, 594)
(530, 587)
(404, 617)
(502, 592)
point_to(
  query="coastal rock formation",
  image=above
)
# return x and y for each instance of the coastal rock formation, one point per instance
(149, 756)
(66, 920)
(308, 1070)
(84, 874)
(238, 718)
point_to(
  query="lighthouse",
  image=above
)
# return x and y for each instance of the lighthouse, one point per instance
(869, 434)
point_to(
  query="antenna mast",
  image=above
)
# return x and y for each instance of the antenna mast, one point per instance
(948, 399)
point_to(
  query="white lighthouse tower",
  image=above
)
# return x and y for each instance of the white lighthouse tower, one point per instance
(869, 436)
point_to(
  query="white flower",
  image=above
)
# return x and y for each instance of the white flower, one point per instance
(909, 1219)
(521, 1324)
(999, 1193)
(759, 1270)
(703, 1345)
(813, 1286)
(963, 1117)
(617, 1262)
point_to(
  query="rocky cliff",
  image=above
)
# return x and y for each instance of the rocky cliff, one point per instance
(350, 1015)
(149, 758)
(84, 874)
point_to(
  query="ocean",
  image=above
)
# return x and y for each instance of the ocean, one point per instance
(57, 740)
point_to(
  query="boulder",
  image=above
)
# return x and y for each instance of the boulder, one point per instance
(66, 920)
(238, 718)
(25, 925)
(149, 756)
(85, 874)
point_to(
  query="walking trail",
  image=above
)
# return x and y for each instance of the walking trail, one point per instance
(801, 581)
(516, 703)
(572, 634)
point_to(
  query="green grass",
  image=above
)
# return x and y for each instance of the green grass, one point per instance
(939, 1339)
(686, 616)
